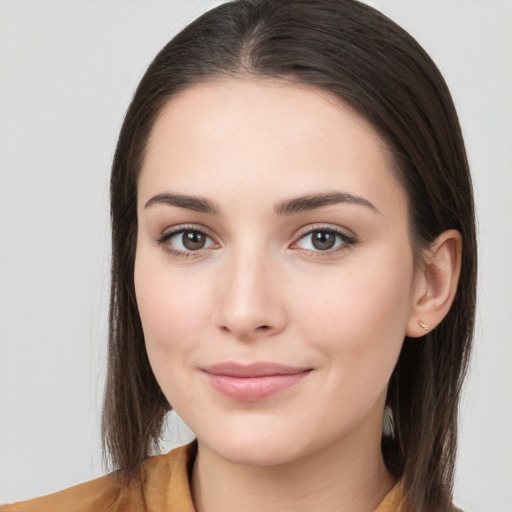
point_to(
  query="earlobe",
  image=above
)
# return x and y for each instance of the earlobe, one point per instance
(436, 284)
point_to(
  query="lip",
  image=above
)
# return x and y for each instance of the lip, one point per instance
(252, 382)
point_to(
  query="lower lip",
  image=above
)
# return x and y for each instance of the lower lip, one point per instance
(252, 389)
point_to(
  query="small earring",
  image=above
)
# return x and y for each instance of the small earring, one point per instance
(423, 325)
(388, 427)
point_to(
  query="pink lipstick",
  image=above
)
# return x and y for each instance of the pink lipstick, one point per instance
(253, 382)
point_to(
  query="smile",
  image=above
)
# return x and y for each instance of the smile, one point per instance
(250, 383)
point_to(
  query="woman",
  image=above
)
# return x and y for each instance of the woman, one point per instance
(293, 262)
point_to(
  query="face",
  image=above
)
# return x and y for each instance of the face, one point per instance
(274, 271)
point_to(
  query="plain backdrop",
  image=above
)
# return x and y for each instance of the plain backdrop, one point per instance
(68, 70)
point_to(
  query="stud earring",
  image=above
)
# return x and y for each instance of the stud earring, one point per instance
(423, 325)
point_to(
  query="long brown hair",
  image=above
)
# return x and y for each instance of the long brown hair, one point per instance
(367, 61)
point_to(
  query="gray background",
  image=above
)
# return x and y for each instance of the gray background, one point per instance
(68, 70)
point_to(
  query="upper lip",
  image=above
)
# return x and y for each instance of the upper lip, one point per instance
(259, 369)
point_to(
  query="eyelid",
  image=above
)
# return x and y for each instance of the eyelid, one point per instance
(348, 238)
(325, 227)
(168, 233)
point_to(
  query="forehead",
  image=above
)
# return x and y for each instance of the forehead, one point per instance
(264, 106)
(233, 132)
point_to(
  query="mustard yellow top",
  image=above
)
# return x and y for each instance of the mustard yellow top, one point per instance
(163, 486)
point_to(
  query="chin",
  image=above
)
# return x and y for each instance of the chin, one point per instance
(254, 452)
(260, 442)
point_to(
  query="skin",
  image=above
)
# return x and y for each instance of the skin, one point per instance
(260, 290)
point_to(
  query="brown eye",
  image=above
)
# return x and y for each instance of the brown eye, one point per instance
(323, 240)
(186, 241)
(193, 240)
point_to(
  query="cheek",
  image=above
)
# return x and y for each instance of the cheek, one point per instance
(169, 310)
(169, 313)
(159, 311)
(358, 321)
(166, 297)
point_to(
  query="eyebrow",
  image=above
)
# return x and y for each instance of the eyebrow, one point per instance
(197, 204)
(287, 207)
(313, 201)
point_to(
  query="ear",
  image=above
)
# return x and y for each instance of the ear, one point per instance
(436, 284)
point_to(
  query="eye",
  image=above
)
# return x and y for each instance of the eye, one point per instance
(186, 241)
(325, 240)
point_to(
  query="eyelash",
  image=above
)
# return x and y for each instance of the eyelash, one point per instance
(346, 240)
(165, 237)
(343, 239)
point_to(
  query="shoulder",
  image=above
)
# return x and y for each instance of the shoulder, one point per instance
(394, 501)
(162, 485)
(100, 494)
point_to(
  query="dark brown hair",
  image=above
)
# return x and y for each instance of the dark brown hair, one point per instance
(367, 61)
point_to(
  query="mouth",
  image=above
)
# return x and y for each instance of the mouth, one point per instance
(253, 382)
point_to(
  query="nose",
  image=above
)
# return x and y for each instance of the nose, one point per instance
(251, 302)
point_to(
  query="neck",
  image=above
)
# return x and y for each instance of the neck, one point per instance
(337, 478)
